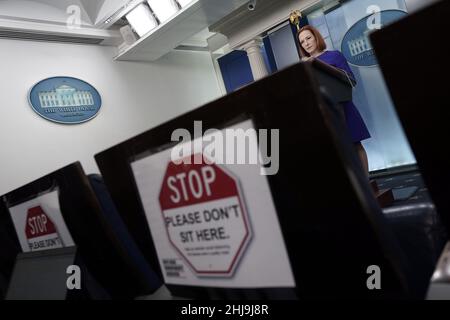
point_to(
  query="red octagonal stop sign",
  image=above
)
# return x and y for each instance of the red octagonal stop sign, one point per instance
(40, 231)
(205, 216)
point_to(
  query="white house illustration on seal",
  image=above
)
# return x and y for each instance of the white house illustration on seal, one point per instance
(360, 44)
(65, 96)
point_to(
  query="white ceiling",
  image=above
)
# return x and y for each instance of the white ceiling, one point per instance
(55, 11)
(189, 30)
(50, 17)
(47, 20)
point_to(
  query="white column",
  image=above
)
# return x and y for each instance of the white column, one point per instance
(257, 63)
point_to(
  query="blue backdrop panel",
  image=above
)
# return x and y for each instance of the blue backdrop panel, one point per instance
(236, 71)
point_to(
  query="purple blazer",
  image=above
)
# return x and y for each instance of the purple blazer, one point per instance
(355, 123)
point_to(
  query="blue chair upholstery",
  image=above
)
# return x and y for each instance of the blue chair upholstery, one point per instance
(121, 235)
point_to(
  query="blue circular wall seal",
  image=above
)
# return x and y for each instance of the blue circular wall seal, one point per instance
(356, 46)
(65, 100)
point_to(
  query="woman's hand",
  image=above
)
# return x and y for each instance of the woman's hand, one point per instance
(304, 59)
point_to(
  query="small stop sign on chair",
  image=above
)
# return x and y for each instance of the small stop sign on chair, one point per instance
(40, 231)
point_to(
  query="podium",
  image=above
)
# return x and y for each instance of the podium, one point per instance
(338, 87)
(317, 210)
(333, 81)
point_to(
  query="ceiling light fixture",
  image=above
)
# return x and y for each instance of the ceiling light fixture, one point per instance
(142, 19)
(163, 9)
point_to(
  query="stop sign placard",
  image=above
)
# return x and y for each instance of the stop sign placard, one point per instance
(40, 230)
(205, 216)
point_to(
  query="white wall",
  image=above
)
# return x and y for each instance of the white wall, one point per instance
(136, 97)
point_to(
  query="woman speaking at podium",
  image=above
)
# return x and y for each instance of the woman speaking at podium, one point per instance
(312, 46)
